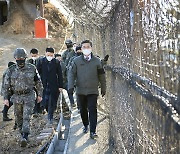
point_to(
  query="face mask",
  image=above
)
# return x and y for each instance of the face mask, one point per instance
(74, 48)
(33, 58)
(21, 63)
(49, 58)
(87, 52)
(69, 45)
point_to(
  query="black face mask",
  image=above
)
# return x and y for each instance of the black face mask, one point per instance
(21, 63)
(79, 53)
(69, 46)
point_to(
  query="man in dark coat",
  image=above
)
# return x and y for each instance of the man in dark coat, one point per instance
(88, 72)
(50, 71)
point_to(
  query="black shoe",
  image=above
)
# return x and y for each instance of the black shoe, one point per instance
(93, 135)
(73, 105)
(15, 126)
(7, 119)
(25, 135)
(85, 129)
(106, 58)
(35, 115)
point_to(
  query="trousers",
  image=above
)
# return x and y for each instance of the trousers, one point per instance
(88, 110)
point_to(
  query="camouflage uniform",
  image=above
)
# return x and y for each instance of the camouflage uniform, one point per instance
(69, 56)
(2, 86)
(21, 82)
(6, 108)
(65, 54)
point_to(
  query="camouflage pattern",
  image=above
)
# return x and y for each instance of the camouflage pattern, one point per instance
(23, 114)
(65, 53)
(69, 56)
(64, 73)
(2, 86)
(18, 80)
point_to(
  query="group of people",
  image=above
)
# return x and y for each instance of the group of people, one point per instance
(33, 85)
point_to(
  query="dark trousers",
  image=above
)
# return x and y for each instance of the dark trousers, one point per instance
(6, 108)
(50, 107)
(50, 104)
(88, 110)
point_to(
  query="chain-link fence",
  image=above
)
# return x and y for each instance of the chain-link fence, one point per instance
(143, 73)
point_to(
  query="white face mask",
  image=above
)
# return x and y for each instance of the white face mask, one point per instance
(49, 58)
(74, 48)
(34, 58)
(86, 52)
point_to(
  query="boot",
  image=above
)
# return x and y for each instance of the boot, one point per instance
(15, 126)
(5, 117)
(24, 139)
(25, 135)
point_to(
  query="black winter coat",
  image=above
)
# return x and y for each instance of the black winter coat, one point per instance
(51, 75)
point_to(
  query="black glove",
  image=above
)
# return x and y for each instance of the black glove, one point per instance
(103, 93)
(70, 91)
(106, 58)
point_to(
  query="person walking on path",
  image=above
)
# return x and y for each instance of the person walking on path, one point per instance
(88, 72)
(67, 54)
(78, 52)
(50, 71)
(6, 108)
(21, 79)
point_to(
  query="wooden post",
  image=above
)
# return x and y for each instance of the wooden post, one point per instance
(41, 8)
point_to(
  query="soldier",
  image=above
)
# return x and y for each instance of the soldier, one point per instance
(21, 80)
(63, 67)
(6, 108)
(88, 72)
(78, 52)
(69, 45)
(66, 57)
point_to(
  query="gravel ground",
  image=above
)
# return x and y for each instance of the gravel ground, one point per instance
(10, 137)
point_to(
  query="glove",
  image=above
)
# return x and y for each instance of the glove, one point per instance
(103, 93)
(70, 91)
(106, 58)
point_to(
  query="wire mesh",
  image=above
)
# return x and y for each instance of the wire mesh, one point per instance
(143, 73)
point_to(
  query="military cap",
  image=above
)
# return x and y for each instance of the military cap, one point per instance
(20, 53)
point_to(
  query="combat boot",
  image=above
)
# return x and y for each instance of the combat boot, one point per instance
(5, 114)
(15, 126)
(6, 118)
(24, 139)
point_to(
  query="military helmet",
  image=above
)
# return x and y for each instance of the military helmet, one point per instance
(20, 53)
(68, 42)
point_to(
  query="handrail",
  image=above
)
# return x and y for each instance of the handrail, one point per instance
(57, 132)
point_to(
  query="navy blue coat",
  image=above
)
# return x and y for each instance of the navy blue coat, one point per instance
(53, 76)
